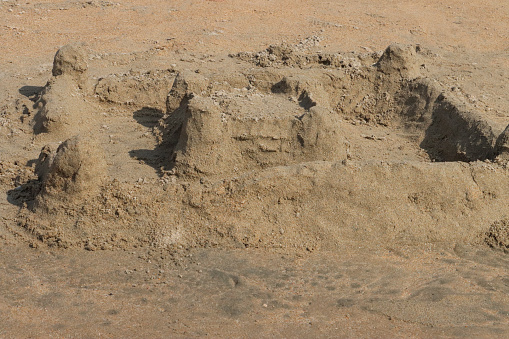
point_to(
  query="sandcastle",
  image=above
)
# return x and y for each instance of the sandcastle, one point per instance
(287, 149)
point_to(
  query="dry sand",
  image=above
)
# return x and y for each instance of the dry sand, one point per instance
(270, 169)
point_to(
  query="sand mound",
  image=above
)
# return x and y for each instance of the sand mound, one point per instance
(247, 135)
(62, 108)
(401, 59)
(73, 172)
(288, 149)
(71, 60)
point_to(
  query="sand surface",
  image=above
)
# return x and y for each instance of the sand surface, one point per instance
(264, 169)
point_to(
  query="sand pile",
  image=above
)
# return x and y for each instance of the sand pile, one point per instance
(75, 171)
(289, 149)
(62, 107)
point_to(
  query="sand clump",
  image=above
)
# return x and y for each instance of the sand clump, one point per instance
(71, 173)
(71, 60)
(61, 107)
(401, 59)
(498, 235)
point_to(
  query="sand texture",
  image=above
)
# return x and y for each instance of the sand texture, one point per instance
(269, 169)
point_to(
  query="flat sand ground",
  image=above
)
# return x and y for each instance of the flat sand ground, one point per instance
(425, 291)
